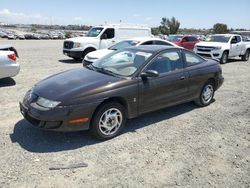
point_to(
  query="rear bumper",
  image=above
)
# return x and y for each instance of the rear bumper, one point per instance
(57, 119)
(10, 70)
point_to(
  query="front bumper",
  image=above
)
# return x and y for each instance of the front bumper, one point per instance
(57, 119)
(73, 53)
(214, 54)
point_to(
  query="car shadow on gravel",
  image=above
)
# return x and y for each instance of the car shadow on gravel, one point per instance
(40, 141)
(157, 116)
(6, 82)
(69, 61)
(234, 61)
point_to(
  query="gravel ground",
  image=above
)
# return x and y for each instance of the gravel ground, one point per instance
(182, 146)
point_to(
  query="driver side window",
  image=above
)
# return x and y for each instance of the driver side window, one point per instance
(166, 62)
(110, 32)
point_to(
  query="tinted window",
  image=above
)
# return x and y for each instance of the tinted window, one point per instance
(166, 62)
(191, 39)
(192, 59)
(148, 43)
(162, 43)
(123, 44)
(184, 39)
(238, 38)
(110, 33)
(234, 40)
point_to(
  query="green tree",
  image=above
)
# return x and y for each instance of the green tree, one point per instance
(171, 25)
(220, 28)
(155, 31)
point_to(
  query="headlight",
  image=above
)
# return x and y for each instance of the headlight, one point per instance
(46, 102)
(217, 47)
(77, 45)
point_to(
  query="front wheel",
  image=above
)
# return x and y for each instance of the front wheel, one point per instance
(245, 57)
(224, 58)
(108, 120)
(206, 95)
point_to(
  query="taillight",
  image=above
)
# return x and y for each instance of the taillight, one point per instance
(12, 56)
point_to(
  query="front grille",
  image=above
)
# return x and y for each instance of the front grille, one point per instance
(68, 44)
(204, 48)
(32, 120)
(204, 55)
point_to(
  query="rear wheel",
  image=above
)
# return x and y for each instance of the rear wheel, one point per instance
(206, 95)
(108, 120)
(245, 57)
(224, 58)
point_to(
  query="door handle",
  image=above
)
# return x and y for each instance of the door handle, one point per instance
(182, 78)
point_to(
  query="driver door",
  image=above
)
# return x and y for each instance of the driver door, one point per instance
(170, 87)
(235, 47)
(107, 38)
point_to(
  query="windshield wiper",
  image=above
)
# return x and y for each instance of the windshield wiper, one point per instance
(91, 67)
(106, 71)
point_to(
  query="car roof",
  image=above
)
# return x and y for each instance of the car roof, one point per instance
(143, 39)
(151, 48)
(228, 35)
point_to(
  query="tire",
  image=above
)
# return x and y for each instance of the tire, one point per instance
(245, 57)
(76, 58)
(103, 127)
(86, 52)
(206, 95)
(224, 58)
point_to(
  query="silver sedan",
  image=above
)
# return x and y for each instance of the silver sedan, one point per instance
(8, 65)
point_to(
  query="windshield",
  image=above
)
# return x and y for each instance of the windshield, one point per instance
(217, 38)
(94, 32)
(122, 63)
(123, 44)
(174, 38)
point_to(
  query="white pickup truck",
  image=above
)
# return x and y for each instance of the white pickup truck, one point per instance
(222, 47)
(102, 37)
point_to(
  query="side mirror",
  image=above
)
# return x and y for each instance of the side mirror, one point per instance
(149, 73)
(104, 36)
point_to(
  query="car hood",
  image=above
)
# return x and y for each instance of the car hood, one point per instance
(73, 83)
(98, 54)
(211, 44)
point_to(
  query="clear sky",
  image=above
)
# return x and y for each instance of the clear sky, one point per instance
(191, 13)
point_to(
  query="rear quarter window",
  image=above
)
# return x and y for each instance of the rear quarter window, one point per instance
(192, 59)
